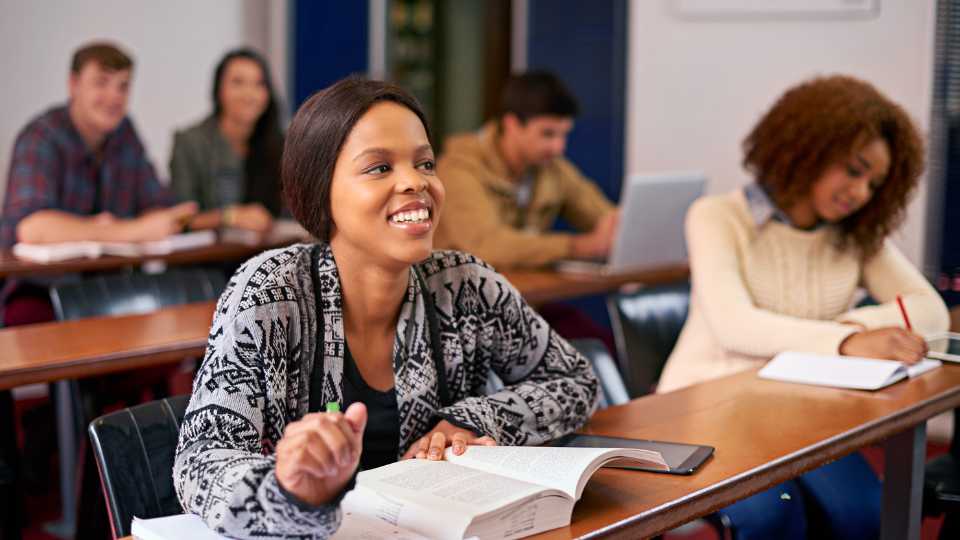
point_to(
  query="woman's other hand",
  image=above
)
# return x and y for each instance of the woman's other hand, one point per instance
(444, 434)
(319, 453)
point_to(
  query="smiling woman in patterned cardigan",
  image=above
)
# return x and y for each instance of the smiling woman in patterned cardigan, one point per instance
(402, 338)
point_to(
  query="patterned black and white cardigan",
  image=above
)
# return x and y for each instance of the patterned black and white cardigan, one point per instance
(255, 379)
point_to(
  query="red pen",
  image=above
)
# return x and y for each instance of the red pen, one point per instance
(903, 311)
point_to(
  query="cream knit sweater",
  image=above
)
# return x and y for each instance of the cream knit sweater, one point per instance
(759, 290)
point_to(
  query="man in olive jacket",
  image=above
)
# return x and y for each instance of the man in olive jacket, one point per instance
(507, 183)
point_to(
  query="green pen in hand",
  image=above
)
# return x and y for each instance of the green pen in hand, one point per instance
(333, 406)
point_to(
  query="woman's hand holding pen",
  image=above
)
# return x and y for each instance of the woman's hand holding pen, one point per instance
(444, 434)
(319, 453)
(892, 343)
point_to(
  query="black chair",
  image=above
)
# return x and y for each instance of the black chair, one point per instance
(103, 295)
(127, 293)
(646, 324)
(134, 450)
(612, 389)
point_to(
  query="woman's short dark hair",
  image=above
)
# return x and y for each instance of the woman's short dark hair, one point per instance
(820, 123)
(261, 168)
(537, 93)
(315, 137)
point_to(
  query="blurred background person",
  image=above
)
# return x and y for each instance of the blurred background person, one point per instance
(230, 161)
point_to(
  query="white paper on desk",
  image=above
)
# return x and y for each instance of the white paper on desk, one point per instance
(841, 371)
(62, 251)
(178, 527)
(184, 526)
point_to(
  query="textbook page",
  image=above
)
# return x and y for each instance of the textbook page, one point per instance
(369, 515)
(566, 469)
(440, 499)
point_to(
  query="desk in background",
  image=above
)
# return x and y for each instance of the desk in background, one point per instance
(12, 266)
(542, 286)
(53, 351)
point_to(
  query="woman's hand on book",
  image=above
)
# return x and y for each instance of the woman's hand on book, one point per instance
(444, 434)
(892, 343)
(319, 453)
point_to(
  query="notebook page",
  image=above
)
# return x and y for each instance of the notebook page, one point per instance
(923, 366)
(836, 371)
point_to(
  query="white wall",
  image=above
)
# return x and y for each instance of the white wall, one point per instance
(696, 87)
(175, 44)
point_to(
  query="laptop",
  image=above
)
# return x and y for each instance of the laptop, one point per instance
(650, 234)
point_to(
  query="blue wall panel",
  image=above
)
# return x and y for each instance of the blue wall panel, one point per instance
(329, 43)
(584, 42)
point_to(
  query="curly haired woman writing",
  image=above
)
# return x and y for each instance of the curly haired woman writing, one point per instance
(777, 264)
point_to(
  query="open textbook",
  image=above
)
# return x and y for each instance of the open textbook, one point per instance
(63, 251)
(841, 371)
(488, 492)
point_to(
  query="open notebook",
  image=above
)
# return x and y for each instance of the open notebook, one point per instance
(46, 253)
(841, 371)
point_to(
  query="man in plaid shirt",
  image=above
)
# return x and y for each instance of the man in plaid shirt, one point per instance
(79, 171)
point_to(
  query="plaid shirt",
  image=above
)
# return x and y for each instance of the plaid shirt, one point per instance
(52, 168)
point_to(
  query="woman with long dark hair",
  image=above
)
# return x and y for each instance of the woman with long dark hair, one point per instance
(230, 162)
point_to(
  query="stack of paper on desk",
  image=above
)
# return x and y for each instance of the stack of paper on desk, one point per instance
(63, 251)
(841, 371)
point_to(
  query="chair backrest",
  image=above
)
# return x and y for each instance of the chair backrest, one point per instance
(134, 450)
(127, 293)
(612, 389)
(646, 324)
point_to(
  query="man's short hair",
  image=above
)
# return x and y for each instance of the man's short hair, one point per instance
(537, 93)
(107, 55)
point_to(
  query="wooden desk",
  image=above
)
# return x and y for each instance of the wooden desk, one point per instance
(74, 349)
(765, 432)
(540, 286)
(11, 266)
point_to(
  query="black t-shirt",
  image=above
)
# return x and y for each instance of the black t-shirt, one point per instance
(381, 438)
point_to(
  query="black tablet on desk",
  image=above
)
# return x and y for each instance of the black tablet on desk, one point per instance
(682, 458)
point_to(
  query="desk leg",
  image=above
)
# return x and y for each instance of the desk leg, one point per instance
(67, 442)
(903, 484)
